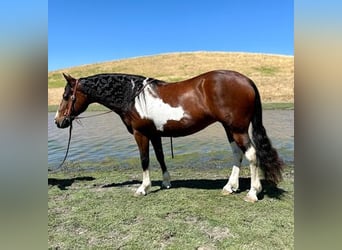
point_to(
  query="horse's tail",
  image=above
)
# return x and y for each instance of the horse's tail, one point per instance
(267, 157)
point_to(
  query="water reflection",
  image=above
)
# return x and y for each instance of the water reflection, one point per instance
(105, 136)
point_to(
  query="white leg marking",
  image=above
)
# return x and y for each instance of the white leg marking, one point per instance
(150, 106)
(146, 184)
(233, 182)
(166, 180)
(255, 180)
(251, 154)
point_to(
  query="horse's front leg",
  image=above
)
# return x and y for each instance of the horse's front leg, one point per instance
(143, 144)
(158, 149)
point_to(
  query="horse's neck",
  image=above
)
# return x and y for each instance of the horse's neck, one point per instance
(116, 92)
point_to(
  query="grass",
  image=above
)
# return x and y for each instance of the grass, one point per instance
(273, 74)
(91, 206)
(267, 70)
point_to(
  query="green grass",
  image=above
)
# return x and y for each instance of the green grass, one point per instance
(278, 106)
(56, 81)
(91, 206)
(267, 70)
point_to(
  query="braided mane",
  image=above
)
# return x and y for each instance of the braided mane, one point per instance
(116, 91)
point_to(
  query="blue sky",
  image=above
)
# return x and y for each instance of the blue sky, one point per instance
(85, 32)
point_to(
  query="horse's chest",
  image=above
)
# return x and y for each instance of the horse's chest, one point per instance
(149, 106)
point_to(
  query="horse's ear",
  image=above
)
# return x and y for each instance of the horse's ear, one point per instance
(69, 79)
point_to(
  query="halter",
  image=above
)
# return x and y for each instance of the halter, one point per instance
(67, 114)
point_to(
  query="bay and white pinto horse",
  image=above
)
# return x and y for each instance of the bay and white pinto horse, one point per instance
(151, 109)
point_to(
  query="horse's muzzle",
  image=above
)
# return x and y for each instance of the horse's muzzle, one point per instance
(64, 123)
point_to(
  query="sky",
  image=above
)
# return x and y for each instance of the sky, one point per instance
(86, 32)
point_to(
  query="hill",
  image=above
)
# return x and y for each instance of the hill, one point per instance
(273, 74)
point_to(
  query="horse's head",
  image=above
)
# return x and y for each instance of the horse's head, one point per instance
(73, 103)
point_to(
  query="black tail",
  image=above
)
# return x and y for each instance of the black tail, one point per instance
(267, 156)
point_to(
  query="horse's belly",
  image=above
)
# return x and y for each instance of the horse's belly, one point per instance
(184, 127)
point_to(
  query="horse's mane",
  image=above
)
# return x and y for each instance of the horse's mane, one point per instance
(115, 90)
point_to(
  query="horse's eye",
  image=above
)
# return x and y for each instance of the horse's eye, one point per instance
(65, 97)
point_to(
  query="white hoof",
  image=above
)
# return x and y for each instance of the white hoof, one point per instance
(142, 190)
(230, 188)
(139, 193)
(251, 196)
(226, 192)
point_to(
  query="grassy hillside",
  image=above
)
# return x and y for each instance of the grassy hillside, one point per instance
(273, 74)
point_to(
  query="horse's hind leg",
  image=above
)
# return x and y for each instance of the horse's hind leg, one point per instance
(255, 180)
(158, 149)
(244, 142)
(233, 182)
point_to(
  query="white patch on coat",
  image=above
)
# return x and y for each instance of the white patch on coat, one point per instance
(150, 106)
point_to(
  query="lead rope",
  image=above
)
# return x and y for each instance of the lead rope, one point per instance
(83, 117)
(172, 155)
(66, 153)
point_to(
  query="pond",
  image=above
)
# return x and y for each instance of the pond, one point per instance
(106, 136)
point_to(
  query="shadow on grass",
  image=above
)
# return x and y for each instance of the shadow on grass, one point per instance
(269, 189)
(62, 184)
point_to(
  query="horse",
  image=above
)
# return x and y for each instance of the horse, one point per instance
(151, 109)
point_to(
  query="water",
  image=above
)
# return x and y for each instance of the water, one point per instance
(106, 136)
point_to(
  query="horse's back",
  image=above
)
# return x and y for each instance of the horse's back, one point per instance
(225, 84)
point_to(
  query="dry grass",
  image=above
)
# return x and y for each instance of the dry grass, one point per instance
(273, 74)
